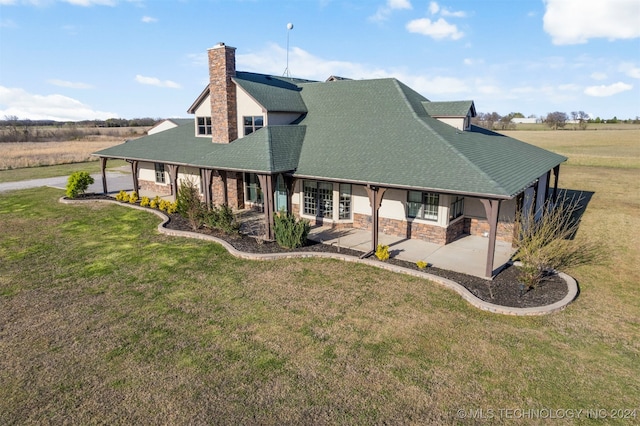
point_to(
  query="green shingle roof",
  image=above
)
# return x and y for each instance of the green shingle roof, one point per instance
(368, 131)
(448, 109)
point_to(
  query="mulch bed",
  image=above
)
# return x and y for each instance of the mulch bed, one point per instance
(503, 290)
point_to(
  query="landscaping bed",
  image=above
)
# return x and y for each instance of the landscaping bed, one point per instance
(503, 290)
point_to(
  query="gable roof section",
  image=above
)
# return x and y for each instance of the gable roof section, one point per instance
(450, 109)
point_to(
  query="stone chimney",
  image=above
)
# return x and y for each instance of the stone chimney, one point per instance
(224, 118)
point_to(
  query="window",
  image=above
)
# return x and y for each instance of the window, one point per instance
(204, 125)
(318, 198)
(422, 205)
(280, 195)
(456, 209)
(253, 193)
(252, 123)
(159, 172)
(345, 201)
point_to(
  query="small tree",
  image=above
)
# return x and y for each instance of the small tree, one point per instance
(189, 204)
(78, 183)
(546, 244)
(556, 119)
(290, 232)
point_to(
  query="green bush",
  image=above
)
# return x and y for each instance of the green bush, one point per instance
(221, 218)
(382, 252)
(189, 204)
(290, 232)
(78, 183)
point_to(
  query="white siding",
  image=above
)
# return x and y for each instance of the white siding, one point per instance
(457, 122)
(161, 127)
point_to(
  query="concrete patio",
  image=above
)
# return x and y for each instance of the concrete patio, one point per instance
(467, 254)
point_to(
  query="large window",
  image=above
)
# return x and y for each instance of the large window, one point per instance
(345, 201)
(253, 193)
(252, 123)
(318, 198)
(204, 125)
(159, 172)
(422, 205)
(456, 209)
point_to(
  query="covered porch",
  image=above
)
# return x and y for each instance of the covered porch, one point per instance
(467, 254)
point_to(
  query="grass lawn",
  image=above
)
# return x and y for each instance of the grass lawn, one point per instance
(15, 175)
(103, 320)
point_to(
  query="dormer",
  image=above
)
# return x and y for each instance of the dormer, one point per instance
(456, 113)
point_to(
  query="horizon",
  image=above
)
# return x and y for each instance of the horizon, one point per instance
(79, 60)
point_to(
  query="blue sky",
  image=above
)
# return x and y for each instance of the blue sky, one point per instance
(98, 59)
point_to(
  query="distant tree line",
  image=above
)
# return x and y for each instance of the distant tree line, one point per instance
(13, 129)
(555, 120)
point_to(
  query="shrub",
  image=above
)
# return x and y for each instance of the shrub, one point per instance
(172, 208)
(382, 252)
(133, 197)
(78, 183)
(222, 218)
(290, 232)
(122, 196)
(155, 203)
(189, 204)
(546, 245)
(163, 205)
(421, 264)
(145, 201)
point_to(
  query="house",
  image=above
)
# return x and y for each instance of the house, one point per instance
(371, 154)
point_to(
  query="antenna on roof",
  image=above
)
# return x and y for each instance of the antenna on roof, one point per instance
(286, 72)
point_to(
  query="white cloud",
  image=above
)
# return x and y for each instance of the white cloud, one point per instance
(383, 12)
(153, 81)
(572, 22)
(610, 90)
(471, 61)
(438, 30)
(434, 8)
(598, 76)
(148, 19)
(630, 69)
(69, 84)
(22, 104)
(86, 3)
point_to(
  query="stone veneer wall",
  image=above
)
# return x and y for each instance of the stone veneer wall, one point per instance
(479, 227)
(410, 229)
(155, 188)
(235, 190)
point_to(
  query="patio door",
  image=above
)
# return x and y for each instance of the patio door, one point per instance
(280, 195)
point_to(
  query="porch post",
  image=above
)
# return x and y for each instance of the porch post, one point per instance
(491, 207)
(173, 175)
(134, 175)
(266, 183)
(103, 166)
(290, 183)
(207, 175)
(375, 194)
(556, 173)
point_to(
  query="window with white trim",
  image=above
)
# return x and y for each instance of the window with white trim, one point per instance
(204, 125)
(253, 192)
(318, 198)
(345, 201)
(159, 167)
(422, 205)
(252, 123)
(456, 208)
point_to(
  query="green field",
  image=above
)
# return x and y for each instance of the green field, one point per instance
(103, 320)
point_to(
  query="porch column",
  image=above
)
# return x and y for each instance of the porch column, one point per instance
(103, 166)
(375, 194)
(491, 208)
(290, 183)
(266, 183)
(207, 175)
(134, 174)
(173, 176)
(225, 189)
(556, 173)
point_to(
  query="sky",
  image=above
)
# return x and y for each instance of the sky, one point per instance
(72, 60)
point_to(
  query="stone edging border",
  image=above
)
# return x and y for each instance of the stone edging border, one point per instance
(572, 285)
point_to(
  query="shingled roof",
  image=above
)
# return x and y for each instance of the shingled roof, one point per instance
(363, 131)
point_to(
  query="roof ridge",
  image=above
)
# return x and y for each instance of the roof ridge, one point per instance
(446, 143)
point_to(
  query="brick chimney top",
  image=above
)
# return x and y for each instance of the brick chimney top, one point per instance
(222, 91)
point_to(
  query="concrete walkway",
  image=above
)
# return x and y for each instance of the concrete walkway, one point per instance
(467, 254)
(115, 181)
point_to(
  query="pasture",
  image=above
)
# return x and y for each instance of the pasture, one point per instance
(103, 320)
